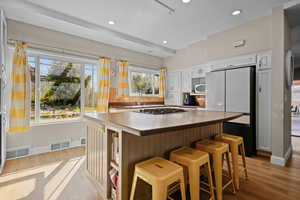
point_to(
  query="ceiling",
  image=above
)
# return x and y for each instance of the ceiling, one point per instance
(141, 25)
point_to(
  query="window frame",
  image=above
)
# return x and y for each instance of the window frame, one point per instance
(76, 60)
(152, 72)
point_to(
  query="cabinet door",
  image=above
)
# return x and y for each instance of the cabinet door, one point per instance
(186, 81)
(199, 71)
(173, 93)
(172, 98)
(173, 81)
(263, 119)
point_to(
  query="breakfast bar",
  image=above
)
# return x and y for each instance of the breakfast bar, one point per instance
(117, 141)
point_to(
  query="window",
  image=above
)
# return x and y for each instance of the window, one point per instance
(60, 89)
(32, 65)
(90, 87)
(57, 88)
(143, 82)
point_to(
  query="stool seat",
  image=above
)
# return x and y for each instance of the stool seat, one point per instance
(158, 168)
(229, 139)
(160, 174)
(212, 146)
(189, 155)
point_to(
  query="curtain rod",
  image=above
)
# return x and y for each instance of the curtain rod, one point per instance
(70, 52)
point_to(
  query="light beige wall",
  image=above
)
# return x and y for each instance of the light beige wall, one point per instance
(278, 84)
(29, 33)
(281, 95)
(257, 34)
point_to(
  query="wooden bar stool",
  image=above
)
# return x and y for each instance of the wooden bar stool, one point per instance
(236, 144)
(217, 150)
(160, 174)
(194, 159)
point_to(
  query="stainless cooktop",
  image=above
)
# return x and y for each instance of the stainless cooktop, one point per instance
(160, 111)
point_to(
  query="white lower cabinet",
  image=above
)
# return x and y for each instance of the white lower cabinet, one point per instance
(263, 115)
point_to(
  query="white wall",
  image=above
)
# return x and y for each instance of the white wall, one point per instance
(257, 34)
(34, 34)
(39, 137)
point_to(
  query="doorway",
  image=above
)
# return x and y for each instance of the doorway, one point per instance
(295, 113)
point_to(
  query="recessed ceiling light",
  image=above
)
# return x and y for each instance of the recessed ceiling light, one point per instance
(236, 12)
(165, 41)
(111, 22)
(186, 1)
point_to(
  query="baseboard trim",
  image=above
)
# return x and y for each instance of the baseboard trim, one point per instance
(281, 161)
(288, 153)
(276, 160)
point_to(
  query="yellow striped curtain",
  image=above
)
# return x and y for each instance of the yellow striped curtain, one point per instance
(19, 117)
(103, 85)
(123, 89)
(162, 82)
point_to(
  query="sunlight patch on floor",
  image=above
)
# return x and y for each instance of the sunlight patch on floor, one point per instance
(25, 187)
(45, 170)
(60, 180)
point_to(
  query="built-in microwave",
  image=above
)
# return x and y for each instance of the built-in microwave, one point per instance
(200, 88)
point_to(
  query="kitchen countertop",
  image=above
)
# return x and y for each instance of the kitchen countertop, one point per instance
(145, 124)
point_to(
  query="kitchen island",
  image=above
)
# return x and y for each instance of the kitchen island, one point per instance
(117, 141)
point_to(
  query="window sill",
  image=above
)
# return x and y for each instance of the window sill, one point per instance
(45, 123)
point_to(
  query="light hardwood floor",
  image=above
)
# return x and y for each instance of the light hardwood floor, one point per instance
(60, 176)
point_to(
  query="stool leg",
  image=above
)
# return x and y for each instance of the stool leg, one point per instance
(229, 171)
(194, 178)
(244, 159)
(235, 165)
(159, 191)
(182, 187)
(217, 164)
(133, 186)
(210, 182)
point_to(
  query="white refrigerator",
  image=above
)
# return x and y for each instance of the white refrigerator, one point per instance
(229, 90)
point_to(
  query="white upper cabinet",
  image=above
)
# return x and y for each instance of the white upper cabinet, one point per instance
(186, 81)
(199, 71)
(174, 81)
(246, 60)
(264, 60)
(173, 92)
